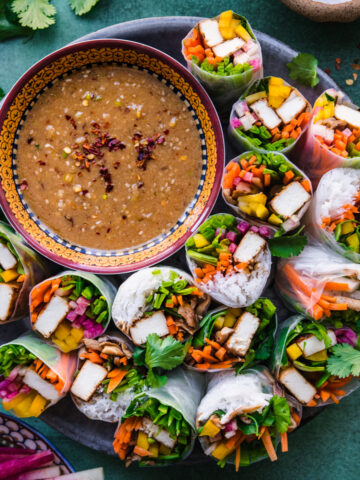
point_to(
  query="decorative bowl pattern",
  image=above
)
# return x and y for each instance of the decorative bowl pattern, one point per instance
(40, 77)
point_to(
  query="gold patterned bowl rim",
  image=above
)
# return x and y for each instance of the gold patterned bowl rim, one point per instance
(35, 80)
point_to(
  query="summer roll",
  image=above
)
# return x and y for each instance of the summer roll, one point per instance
(230, 259)
(234, 337)
(161, 300)
(159, 425)
(268, 189)
(20, 270)
(225, 56)
(270, 116)
(334, 214)
(316, 363)
(321, 285)
(240, 419)
(333, 138)
(107, 377)
(33, 375)
(70, 307)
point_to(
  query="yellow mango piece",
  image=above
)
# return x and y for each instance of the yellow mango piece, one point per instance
(77, 334)
(9, 275)
(329, 111)
(38, 406)
(294, 351)
(262, 212)
(22, 409)
(275, 81)
(320, 102)
(154, 450)
(62, 331)
(318, 357)
(242, 33)
(254, 198)
(229, 319)
(235, 22)
(200, 240)
(275, 102)
(247, 209)
(71, 342)
(209, 430)
(164, 450)
(225, 18)
(142, 441)
(10, 404)
(275, 220)
(60, 343)
(255, 96)
(279, 91)
(221, 451)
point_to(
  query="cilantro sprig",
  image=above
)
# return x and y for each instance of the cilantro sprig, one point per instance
(344, 361)
(303, 69)
(286, 246)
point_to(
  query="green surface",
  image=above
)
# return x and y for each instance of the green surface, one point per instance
(329, 446)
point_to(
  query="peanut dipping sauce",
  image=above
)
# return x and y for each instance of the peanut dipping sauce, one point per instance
(109, 157)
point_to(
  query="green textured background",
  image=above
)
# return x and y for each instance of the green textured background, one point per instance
(329, 446)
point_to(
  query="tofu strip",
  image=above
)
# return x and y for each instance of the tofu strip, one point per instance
(51, 316)
(311, 345)
(291, 108)
(7, 259)
(249, 248)
(245, 329)
(297, 385)
(290, 199)
(348, 115)
(211, 33)
(88, 380)
(8, 295)
(266, 114)
(34, 381)
(159, 434)
(156, 323)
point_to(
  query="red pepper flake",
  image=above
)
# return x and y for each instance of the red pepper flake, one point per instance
(108, 230)
(30, 140)
(70, 119)
(355, 66)
(40, 162)
(327, 70)
(116, 165)
(24, 185)
(145, 148)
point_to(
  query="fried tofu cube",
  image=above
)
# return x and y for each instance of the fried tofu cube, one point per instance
(7, 259)
(297, 385)
(45, 388)
(88, 380)
(348, 115)
(311, 345)
(249, 248)
(244, 331)
(290, 199)
(51, 316)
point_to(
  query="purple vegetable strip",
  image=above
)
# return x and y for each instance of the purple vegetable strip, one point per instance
(12, 467)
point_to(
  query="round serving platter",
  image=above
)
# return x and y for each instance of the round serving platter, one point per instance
(166, 33)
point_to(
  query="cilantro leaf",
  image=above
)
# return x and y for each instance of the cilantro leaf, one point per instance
(344, 361)
(303, 69)
(2, 93)
(82, 6)
(36, 14)
(287, 246)
(9, 27)
(281, 411)
(166, 353)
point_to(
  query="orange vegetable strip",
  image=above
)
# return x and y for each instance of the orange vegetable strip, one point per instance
(284, 442)
(338, 286)
(266, 439)
(142, 452)
(237, 458)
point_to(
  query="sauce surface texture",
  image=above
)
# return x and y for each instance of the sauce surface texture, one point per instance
(109, 157)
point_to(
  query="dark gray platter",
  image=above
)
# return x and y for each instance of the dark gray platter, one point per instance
(166, 33)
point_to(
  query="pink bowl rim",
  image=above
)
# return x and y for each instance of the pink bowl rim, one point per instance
(206, 101)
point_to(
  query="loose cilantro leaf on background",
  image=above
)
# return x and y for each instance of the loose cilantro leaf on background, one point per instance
(344, 361)
(81, 7)
(303, 69)
(2, 93)
(36, 14)
(165, 353)
(287, 246)
(9, 27)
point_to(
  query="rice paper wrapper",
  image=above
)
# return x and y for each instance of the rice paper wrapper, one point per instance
(243, 144)
(332, 194)
(316, 160)
(224, 90)
(63, 364)
(183, 392)
(318, 265)
(205, 332)
(34, 267)
(100, 406)
(130, 301)
(104, 285)
(279, 357)
(257, 221)
(238, 290)
(220, 394)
